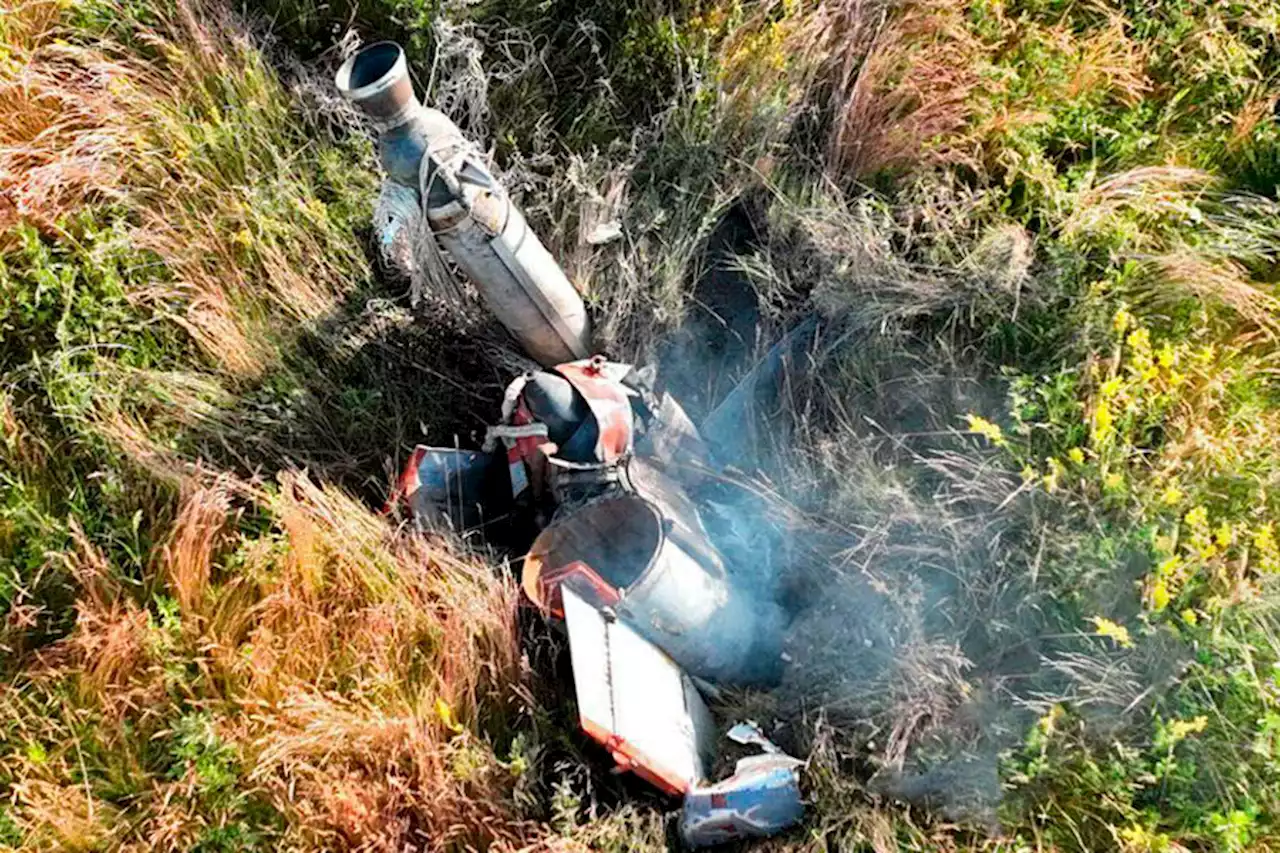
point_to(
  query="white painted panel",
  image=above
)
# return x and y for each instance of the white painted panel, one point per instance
(649, 703)
(627, 686)
(589, 653)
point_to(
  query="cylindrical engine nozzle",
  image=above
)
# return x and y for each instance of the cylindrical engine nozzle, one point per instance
(652, 559)
(468, 211)
(377, 80)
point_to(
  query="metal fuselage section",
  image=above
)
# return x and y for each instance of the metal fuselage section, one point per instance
(588, 450)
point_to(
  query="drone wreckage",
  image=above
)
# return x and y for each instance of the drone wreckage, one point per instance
(625, 561)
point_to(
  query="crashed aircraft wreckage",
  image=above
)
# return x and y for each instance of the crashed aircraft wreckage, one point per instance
(586, 444)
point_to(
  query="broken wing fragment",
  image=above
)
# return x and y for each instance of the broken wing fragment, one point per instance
(637, 703)
(634, 700)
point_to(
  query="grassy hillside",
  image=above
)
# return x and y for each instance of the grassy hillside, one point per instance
(1022, 487)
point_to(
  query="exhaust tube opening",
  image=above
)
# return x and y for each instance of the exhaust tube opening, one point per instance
(373, 63)
(376, 79)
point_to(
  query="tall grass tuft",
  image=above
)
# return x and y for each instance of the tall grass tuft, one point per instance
(311, 675)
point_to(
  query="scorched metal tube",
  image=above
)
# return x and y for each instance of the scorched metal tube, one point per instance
(468, 210)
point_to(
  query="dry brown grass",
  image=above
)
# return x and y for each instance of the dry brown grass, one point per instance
(870, 264)
(915, 84)
(1109, 61)
(359, 638)
(188, 556)
(62, 139)
(927, 91)
(64, 817)
(784, 49)
(355, 668)
(1230, 232)
(363, 777)
(108, 649)
(1254, 113)
(19, 446)
(1152, 190)
(1215, 280)
(131, 436)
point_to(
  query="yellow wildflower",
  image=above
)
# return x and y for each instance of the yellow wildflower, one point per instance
(1179, 729)
(985, 428)
(1049, 722)
(1171, 496)
(1169, 567)
(1121, 321)
(1052, 476)
(1103, 423)
(311, 207)
(1113, 481)
(1159, 594)
(1076, 455)
(1106, 628)
(1223, 535)
(1264, 538)
(445, 713)
(1140, 839)
(1264, 541)
(1204, 547)
(1139, 342)
(1189, 616)
(1197, 517)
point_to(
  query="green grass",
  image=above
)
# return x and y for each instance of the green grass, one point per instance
(1025, 482)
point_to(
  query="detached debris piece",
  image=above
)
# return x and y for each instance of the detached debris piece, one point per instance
(455, 486)
(591, 455)
(749, 734)
(761, 798)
